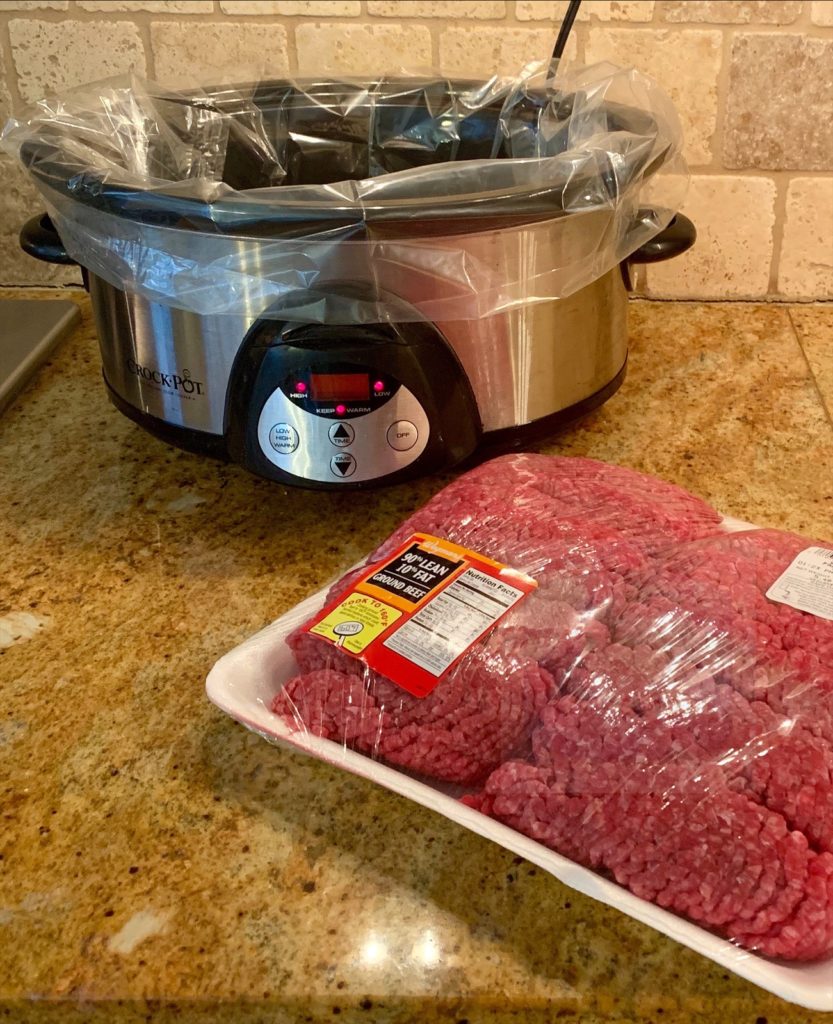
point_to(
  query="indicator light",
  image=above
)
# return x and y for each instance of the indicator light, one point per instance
(378, 385)
(341, 409)
(301, 387)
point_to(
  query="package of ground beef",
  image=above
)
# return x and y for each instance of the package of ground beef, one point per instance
(592, 667)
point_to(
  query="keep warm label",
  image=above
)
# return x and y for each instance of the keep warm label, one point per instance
(807, 583)
(412, 617)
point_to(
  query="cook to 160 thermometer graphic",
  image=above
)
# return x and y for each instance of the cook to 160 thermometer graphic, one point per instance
(345, 629)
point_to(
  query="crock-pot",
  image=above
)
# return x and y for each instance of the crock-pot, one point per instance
(368, 374)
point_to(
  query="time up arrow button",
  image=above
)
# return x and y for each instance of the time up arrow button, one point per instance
(342, 434)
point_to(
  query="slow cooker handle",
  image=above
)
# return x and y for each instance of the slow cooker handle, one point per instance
(676, 239)
(39, 238)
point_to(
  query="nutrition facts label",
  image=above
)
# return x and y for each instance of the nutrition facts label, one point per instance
(807, 583)
(449, 623)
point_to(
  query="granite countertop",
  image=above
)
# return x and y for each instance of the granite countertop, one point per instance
(161, 863)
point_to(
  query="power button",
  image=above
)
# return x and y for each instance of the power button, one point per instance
(402, 435)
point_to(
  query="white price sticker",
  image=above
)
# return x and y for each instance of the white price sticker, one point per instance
(807, 583)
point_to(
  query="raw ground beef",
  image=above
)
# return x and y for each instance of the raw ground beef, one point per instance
(691, 845)
(707, 602)
(517, 504)
(480, 716)
(732, 574)
(482, 712)
(549, 517)
(651, 712)
(646, 711)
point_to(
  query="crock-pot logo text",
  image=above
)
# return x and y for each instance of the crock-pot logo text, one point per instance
(177, 383)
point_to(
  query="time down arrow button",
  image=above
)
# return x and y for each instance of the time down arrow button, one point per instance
(343, 465)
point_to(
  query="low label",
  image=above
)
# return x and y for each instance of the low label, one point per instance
(413, 616)
(807, 583)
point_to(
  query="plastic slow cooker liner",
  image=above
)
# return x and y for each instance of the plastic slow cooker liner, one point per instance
(653, 722)
(348, 202)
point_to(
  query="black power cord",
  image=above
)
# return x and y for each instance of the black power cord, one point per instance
(564, 31)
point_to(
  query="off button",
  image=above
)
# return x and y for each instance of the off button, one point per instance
(402, 435)
(283, 438)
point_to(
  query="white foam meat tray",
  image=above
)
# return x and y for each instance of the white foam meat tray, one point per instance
(244, 682)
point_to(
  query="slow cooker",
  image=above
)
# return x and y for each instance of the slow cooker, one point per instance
(418, 326)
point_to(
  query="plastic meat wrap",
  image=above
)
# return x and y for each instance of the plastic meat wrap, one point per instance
(349, 202)
(656, 706)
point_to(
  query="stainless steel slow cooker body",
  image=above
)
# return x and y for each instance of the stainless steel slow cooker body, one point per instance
(244, 385)
(523, 366)
(531, 371)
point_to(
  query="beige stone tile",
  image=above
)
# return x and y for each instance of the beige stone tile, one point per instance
(5, 98)
(437, 8)
(686, 64)
(19, 201)
(603, 10)
(734, 218)
(733, 12)
(814, 327)
(154, 6)
(306, 8)
(821, 12)
(33, 5)
(805, 269)
(779, 106)
(361, 49)
(197, 52)
(487, 51)
(53, 55)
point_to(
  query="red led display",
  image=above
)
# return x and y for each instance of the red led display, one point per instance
(344, 387)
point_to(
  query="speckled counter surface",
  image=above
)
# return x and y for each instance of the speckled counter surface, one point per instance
(159, 862)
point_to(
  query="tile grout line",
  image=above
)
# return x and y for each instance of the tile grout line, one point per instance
(796, 334)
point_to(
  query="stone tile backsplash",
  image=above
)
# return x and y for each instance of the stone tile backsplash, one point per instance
(805, 270)
(53, 55)
(189, 52)
(732, 258)
(361, 49)
(601, 10)
(476, 50)
(779, 110)
(19, 201)
(733, 12)
(686, 63)
(751, 79)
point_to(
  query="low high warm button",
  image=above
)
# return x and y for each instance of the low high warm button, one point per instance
(283, 438)
(402, 435)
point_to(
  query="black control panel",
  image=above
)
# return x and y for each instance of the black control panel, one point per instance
(349, 406)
